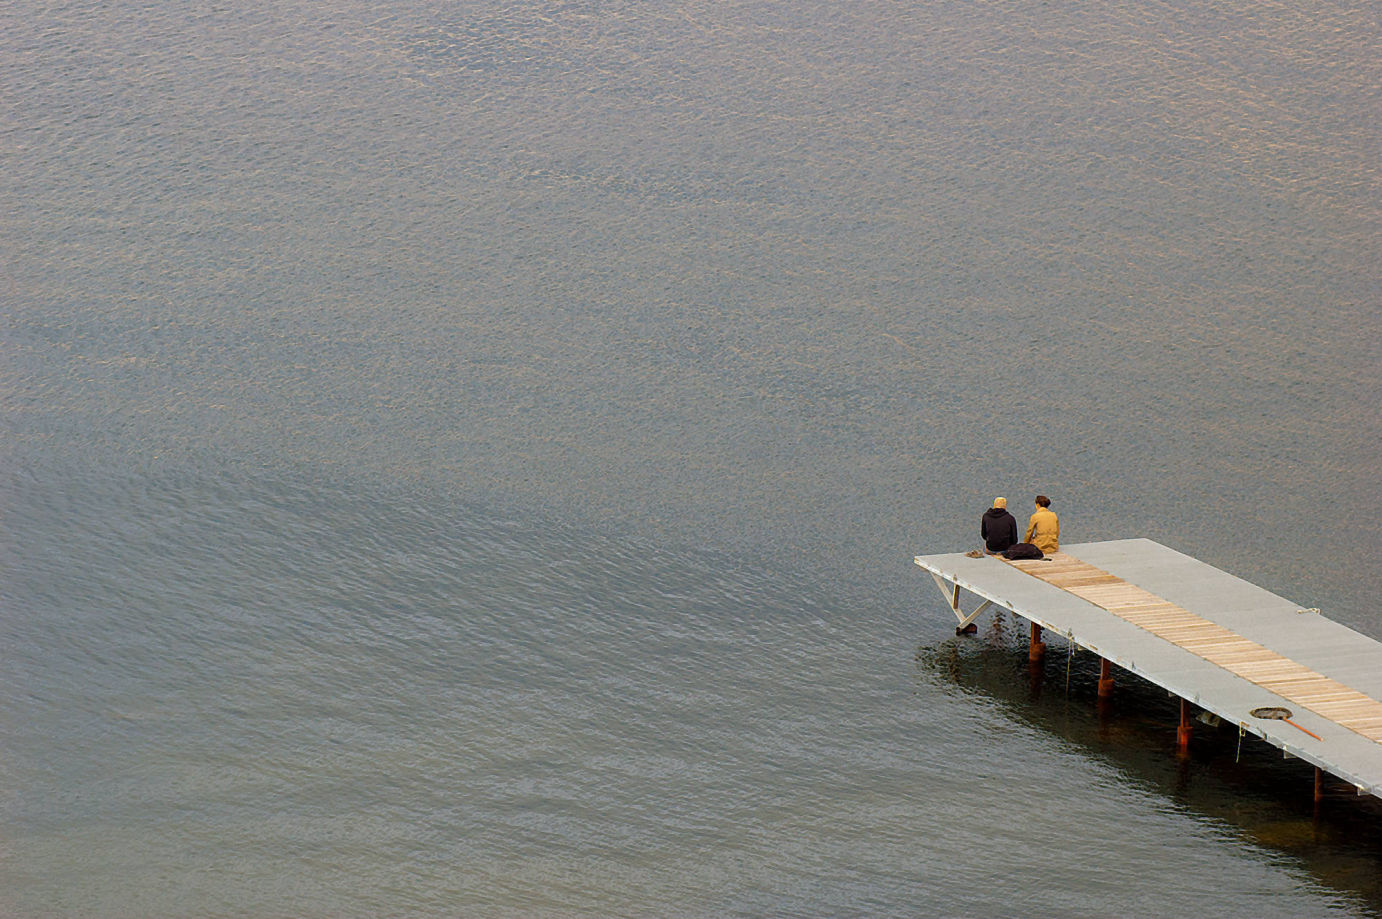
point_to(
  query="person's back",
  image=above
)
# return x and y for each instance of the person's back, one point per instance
(998, 528)
(1043, 529)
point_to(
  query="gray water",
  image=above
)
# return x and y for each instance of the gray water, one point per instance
(465, 459)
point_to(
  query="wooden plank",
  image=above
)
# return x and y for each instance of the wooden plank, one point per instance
(1222, 645)
(1258, 659)
(1172, 618)
(1253, 659)
(1352, 707)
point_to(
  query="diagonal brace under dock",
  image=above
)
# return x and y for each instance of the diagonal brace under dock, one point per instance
(1205, 635)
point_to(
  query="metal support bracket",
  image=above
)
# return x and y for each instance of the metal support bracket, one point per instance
(952, 596)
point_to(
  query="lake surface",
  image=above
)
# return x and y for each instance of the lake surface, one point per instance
(465, 459)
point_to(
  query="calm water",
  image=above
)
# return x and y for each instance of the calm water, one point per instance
(465, 459)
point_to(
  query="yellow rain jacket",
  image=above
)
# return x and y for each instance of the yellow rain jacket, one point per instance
(1043, 530)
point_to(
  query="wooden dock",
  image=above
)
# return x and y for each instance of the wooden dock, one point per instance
(1284, 673)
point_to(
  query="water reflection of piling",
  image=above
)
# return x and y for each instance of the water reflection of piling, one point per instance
(1249, 787)
(1036, 676)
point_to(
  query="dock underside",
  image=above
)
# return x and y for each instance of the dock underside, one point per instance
(1288, 675)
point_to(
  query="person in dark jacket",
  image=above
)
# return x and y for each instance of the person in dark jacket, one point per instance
(998, 528)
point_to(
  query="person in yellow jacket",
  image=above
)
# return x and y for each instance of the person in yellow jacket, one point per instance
(1043, 529)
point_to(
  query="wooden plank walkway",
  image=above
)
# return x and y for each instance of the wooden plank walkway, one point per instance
(1209, 637)
(1266, 668)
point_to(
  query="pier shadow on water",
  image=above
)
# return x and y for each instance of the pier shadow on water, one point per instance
(1241, 783)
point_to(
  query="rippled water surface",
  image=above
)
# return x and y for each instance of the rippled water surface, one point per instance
(465, 459)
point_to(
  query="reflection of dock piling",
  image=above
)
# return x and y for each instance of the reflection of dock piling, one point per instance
(1183, 732)
(1303, 683)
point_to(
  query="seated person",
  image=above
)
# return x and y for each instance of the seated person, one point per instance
(998, 528)
(1043, 529)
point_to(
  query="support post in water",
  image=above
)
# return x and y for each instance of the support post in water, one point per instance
(952, 594)
(1183, 732)
(1037, 649)
(1105, 678)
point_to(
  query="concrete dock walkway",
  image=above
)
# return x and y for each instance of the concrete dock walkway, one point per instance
(1286, 674)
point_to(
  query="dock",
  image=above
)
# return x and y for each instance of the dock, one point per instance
(1283, 673)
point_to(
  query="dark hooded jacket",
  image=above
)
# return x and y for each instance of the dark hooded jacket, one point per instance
(998, 528)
